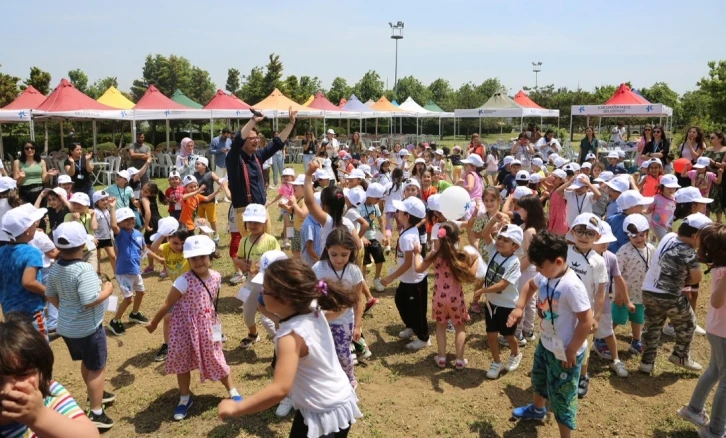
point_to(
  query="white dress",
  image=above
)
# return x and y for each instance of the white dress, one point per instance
(321, 390)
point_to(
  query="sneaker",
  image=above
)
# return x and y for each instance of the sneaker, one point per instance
(407, 333)
(602, 350)
(369, 305)
(619, 369)
(669, 331)
(116, 327)
(700, 420)
(418, 344)
(513, 363)
(361, 348)
(494, 369)
(475, 308)
(705, 432)
(161, 355)
(450, 327)
(138, 318)
(686, 363)
(646, 368)
(583, 386)
(636, 347)
(102, 422)
(699, 330)
(149, 270)
(237, 278)
(181, 411)
(284, 408)
(108, 398)
(387, 250)
(355, 360)
(529, 412)
(520, 341)
(249, 341)
(529, 336)
(377, 285)
(163, 274)
(461, 364)
(215, 239)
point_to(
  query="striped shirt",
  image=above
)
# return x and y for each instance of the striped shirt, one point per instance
(60, 400)
(76, 285)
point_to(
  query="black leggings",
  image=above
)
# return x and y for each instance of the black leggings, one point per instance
(412, 303)
(300, 430)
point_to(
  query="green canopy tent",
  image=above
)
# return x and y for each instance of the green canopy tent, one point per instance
(431, 106)
(182, 99)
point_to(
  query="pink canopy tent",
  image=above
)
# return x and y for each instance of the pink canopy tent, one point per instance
(322, 103)
(153, 99)
(224, 101)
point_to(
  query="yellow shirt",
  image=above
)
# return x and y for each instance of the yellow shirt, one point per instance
(84, 220)
(297, 220)
(176, 264)
(251, 249)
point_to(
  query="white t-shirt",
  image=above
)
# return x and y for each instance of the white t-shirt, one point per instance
(350, 276)
(591, 270)
(328, 167)
(328, 227)
(103, 231)
(407, 242)
(503, 268)
(44, 244)
(353, 215)
(492, 163)
(395, 195)
(4, 208)
(617, 134)
(554, 146)
(558, 300)
(577, 204)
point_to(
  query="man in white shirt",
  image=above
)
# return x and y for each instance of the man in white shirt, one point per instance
(330, 139)
(617, 134)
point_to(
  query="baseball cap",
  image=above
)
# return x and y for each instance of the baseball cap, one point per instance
(605, 176)
(645, 164)
(559, 162)
(97, 196)
(80, 198)
(516, 162)
(434, 202)
(124, 213)
(670, 181)
(330, 131)
(299, 181)
(537, 162)
(613, 154)
(658, 161)
(579, 182)
(372, 149)
(403, 152)
(639, 221)
(188, 180)
(574, 167)
(376, 190)
(265, 261)
(697, 220)
(559, 173)
(64, 179)
(590, 156)
(356, 196)
(606, 234)
(439, 152)
(520, 192)
(702, 162)
(435, 169)
(380, 161)
(357, 173)
(420, 160)
(522, 175)
(70, 235)
(456, 148)
(386, 152)
(255, 213)
(321, 174)
(288, 171)
(17, 221)
(61, 192)
(475, 160)
(586, 166)
(7, 183)
(166, 227)
(198, 245)
(411, 205)
(345, 157)
(132, 171)
(619, 183)
(508, 160)
(411, 182)
(589, 220)
(631, 198)
(691, 194)
(174, 174)
(366, 169)
(125, 174)
(512, 232)
(203, 160)
(535, 178)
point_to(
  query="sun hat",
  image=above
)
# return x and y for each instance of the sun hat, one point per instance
(670, 181)
(656, 161)
(7, 183)
(17, 221)
(255, 213)
(376, 190)
(167, 226)
(411, 205)
(188, 180)
(265, 261)
(522, 175)
(372, 149)
(70, 235)
(631, 198)
(619, 183)
(435, 169)
(124, 213)
(697, 220)
(590, 156)
(97, 196)
(403, 152)
(639, 221)
(80, 198)
(64, 179)
(456, 148)
(288, 171)
(356, 173)
(123, 174)
(198, 245)
(473, 159)
(645, 164)
(330, 131)
(606, 234)
(512, 232)
(691, 194)
(589, 220)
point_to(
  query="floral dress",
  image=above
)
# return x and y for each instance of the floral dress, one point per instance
(558, 214)
(481, 221)
(716, 189)
(191, 345)
(448, 298)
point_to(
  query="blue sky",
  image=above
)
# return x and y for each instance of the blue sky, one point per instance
(587, 43)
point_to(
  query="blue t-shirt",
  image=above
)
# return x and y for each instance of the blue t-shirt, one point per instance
(617, 169)
(14, 259)
(129, 246)
(310, 231)
(612, 209)
(510, 184)
(616, 223)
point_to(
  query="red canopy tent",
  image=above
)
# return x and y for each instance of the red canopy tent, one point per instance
(522, 99)
(322, 103)
(625, 96)
(342, 102)
(154, 99)
(224, 101)
(66, 97)
(30, 98)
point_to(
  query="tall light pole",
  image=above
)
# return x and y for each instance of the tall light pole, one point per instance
(396, 34)
(536, 68)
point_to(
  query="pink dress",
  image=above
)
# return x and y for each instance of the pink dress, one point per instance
(475, 195)
(286, 190)
(190, 334)
(558, 214)
(448, 299)
(703, 181)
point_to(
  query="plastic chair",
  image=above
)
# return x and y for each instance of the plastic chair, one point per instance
(114, 166)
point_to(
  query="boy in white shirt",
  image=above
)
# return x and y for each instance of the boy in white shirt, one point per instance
(579, 193)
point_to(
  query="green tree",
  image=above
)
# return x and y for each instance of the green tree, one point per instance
(8, 88)
(488, 88)
(308, 87)
(232, 84)
(149, 75)
(79, 79)
(442, 94)
(715, 86)
(176, 73)
(291, 88)
(660, 92)
(695, 108)
(273, 75)
(201, 88)
(39, 79)
(409, 86)
(604, 93)
(339, 89)
(253, 87)
(99, 87)
(369, 87)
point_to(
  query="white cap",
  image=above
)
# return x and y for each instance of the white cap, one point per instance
(125, 174)
(697, 220)
(569, 167)
(560, 174)
(589, 220)
(439, 152)
(535, 178)
(403, 152)
(411, 205)
(508, 160)
(356, 196)
(321, 174)
(521, 191)
(515, 162)
(619, 183)
(702, 162)
(537, 162)
(579, 182)
(670, 181)
(203, 160)
(80, 198)
(265, 261)
(553, 156)
(17, 221)
(288, 171)
(64, 179)
(645, 164)
(132, 171)
(166, 227)
(605, 176)
(366, 169)
(631, 198)
(639, 221)
(435, 169)
(419, 160)
(434, 202)
(559, 162)
(621, 153)
(590, 156)
(574, 166)
(70, 235)
(375, 190)
(606, 234)
(691, 194)
(172, 174)
(613, 154)
(657, 160)
(97, 196)
(124, 213)
(372, 149)
(411, 182)
(512, 232)
(586, 166)
(475, 160)
(61, 192)
(330, 131)
(299, 181)
(522, 175)
(385, 152)
(188, 180)
(255, 213)
(456, 147)
(198, 245)
(380, 161)
(7, 183)
(356, 173)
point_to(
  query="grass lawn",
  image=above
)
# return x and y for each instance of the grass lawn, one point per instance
(402, 394)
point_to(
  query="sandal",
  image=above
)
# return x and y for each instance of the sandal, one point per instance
(248, 341)
(440, 361)
(475, 308)
(461, 364)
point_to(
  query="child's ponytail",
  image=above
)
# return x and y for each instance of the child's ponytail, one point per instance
(457, 259)
(333, 201)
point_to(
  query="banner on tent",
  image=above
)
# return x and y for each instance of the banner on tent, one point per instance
(654, 109)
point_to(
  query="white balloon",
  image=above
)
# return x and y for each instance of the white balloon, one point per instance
(454, 203)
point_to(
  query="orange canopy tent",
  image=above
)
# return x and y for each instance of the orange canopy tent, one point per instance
(522, 99)
(278, 101)
(384, 104)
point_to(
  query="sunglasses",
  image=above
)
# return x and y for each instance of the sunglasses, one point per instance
(579, 232)
(29, 148)
(657, 131)
(648, 129)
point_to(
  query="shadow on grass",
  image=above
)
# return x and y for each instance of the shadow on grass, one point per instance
(518, 396)
(660, 433)
(463, 379)
(525, 429)
(161, 411)
(124, 376)
(483, 429)
(236, 355)
(230, 305)
(252, 425)
(642, 385)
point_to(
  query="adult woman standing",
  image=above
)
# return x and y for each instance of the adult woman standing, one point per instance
(589, 144)
(310, 148)
(80, 169)
(717, 153)
(30, 173)
(476, 147)
(658, 146)
(647, 136)
(694, 145)
(356, 144)
(278, 162)
(523, 150)
(187, 160)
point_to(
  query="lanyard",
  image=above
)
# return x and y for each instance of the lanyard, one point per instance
(247, 254)
(587, 262)
(488, 282)
(212, 301)
(579, 204)
(342, 274)
(645, 259)
(550, 297)
(399, 237)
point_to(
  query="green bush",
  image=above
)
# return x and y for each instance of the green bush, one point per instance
(200, 143)
(163, 144)
(106, 147)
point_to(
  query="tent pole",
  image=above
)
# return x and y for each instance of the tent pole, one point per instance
(376, 126)
(521, 124)
(1, 143)
(167, 133)
(211, 127)
(95, 136)
(63, 143)
(571, 133)
(45, 147)
(348, 126)
(479, 125)
(599, 125)
(32, 130)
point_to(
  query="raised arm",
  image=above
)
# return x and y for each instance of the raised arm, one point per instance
(313, 208)
(112, 212)
(287, 130)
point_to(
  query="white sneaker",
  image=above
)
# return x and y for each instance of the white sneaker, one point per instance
(450, 327)
(700, 419)
(494, 370)
(513, 363)
(387, 249)
(378, 286)
(668, 330)
(619, 368)
(406, 334)
(647, 368)
(284, 408)
(215, 239)
(237, 278)
(686, 363)
(699, 330)
(418, 344)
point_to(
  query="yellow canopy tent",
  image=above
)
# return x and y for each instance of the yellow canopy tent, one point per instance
(384, 104)
(113, 98)
(309, 101)
(278, 101)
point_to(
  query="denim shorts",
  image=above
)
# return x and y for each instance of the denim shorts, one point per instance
(91, 350)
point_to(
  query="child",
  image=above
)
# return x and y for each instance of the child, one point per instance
(150, 215)
(492, 204)
(453, 268)
(58, 206)
(298, 211)
(700, 177)
(472, 182)
(614, 165)
(563, 306)
(711, 250)
(586, 169)
(419, 166)
(634, 260)
(338, 265)
(600, 206)
(42, 406)
(174, 195)
(538, 167)
(195, 335)
(103, 232)
(492, 164)
(500, 285)
(66, 183)
(394, 192)
(648, 187)
(590, 268)
(373, 248)
(384, 171)
(456, 167)
(616, 186)
(50, 253)
(440, 162)
(284, 193)
(510, 181)
(663, 206)
(207, 208)
(558, 206)
(629, 202)
(438, 180)
(312, 249)
(73, 287)
(674, 265)
(307, 367)
(579, 197)
(81, 213)
(411, 293)
(504, 170)
(253, 246)
(322, 179)
(192, 199)
(121, 191)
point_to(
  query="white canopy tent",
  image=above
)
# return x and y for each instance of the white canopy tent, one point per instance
(15, 116)
(418, 111)
(628, 110)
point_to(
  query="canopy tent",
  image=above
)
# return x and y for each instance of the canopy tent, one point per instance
(625, 96)
(224, 101)
(319, 101)
(385, 105)
(309, 101)
(370, 103)
(154, 105)
(153, 99)
(278, 101)
(431, 106)
(115, 99)
(638, 93)
(342, 102)
(499, 105)
(411, 106)
(182, 99)
(522, 99)
(29, 99)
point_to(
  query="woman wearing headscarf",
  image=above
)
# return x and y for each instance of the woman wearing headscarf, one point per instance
(187, 159)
